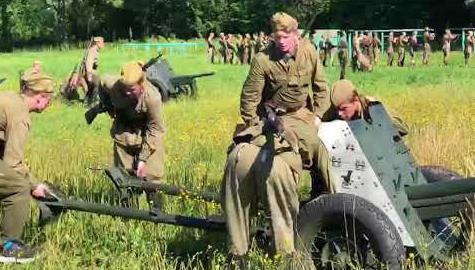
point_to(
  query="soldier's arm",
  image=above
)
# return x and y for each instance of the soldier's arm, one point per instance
(16, 135)
(155, 125)
(251, 94)
(320, 88)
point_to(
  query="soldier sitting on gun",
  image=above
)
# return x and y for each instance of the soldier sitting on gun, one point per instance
(138, 128)
(349, 105)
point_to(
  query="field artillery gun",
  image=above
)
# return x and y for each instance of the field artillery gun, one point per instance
(162, 76)
(385, 205)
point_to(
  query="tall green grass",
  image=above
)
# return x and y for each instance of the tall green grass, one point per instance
(437, 103)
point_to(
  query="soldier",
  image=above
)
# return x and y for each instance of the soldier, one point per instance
(350, 105)
(413, 47)
(356, 48)
(428, 37)
(232, 49)
(264, 167)
(469, 43)
(342, 53)
(91, 75)
(246, 49)
(35, 69)
(322, 46)
(211, 48)
(253, 47)
(16, 182)
(223, 49)
(138, 128)
(402, 42)
(376, 48)
(448, 38)
(391, 43)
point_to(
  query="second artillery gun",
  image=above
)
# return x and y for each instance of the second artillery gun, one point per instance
(385, 205)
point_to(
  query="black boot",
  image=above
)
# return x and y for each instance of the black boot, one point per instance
(155, 200)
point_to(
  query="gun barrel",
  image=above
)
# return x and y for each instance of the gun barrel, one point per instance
(129, 213)
(441, 199)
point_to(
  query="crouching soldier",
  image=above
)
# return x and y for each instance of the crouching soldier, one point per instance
(16, 182)
(138, 129)
(351, 105)
(278, 140)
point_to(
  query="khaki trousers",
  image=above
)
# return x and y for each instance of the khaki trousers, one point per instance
(15, 198)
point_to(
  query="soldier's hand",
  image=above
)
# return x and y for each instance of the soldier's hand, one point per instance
(40, 191)
(140, 169)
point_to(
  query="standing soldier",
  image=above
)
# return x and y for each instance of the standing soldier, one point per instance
(428, 37)
(322, 46)
(246, 49)
(413, 47)
(253, 47)
(391, 43)
(354, 55)
(223, 48)
(211, 48)
(239, 43)
(448, 38)
(376, 48)
(138, 128)
(16, 182)
(91, 75)
(402, 43)
(265, 165)
(231, 49)
(370, 49)
(469, 43)
(342, 54)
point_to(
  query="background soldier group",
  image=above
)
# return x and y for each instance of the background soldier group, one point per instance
(239, 49)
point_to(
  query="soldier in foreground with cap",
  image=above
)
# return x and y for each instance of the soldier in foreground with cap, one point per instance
(17, 184)
(138, 129)
(350, 105)
(278, 140)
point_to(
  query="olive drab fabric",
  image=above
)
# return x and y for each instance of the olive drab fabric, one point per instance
(265, 168)
(15, 179)
(291, 83)
(138, 128)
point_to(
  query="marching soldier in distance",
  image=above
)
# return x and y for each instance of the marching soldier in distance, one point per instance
(211, 48)
(413, 46)
(447, 39)
(428, 37)
(469, 43)
(223, 48)
(376, 48)
(402, 42)
(342, 53)
(391, 43)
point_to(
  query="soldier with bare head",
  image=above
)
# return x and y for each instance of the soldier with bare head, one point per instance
(469, 43)
(448, 38)
(428, 37)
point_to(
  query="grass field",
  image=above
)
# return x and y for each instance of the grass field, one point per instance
(438, 104)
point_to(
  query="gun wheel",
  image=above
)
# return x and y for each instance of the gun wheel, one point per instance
(343, 231)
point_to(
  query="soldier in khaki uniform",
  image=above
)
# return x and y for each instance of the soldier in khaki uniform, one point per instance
(342, 53)
(16, 182)
(402, 42)
(91, 75)
(469, 43)
(349, 105)
(138, 128)
(264, 167)
(391, 43)
(448, 38)
(428, 37)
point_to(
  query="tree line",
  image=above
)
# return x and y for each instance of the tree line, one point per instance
(56, 22)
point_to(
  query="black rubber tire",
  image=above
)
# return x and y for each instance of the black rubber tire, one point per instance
(330, 212)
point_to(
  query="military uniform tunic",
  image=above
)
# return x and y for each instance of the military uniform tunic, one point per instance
(263, 169)
(15, 179)
(138, 128)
